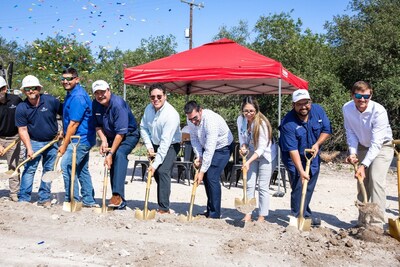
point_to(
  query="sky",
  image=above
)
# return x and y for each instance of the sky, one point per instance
(124, 23)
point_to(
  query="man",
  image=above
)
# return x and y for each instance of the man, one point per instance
(160, 132)
(117, 128)
(212, 143)
(306, 126)
(9, 133)
(36, 119)
(77, 120)
(369, 137)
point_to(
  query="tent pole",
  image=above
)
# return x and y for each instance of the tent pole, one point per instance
(279, 193)
(125, 92)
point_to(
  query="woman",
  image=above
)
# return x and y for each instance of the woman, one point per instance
(255, 135)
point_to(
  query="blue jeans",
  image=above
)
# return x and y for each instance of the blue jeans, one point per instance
(82, 174)
(48, 158)
(212, 181)
(120, 162)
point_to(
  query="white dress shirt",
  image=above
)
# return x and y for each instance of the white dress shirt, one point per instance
(370, 128)
(212, 133)
(160, 128)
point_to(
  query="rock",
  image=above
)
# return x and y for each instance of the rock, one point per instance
(349, 244)
(128, 226)
(123, 253)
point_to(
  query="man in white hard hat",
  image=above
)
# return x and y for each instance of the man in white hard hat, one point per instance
(9, 133)
(36, 119)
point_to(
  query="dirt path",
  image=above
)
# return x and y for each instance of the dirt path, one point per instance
(35, 236)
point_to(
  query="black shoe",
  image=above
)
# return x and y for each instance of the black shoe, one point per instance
(205, 214)
(316, 222)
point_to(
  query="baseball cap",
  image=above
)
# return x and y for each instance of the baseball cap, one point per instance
(30, 81)
(300, 94)
(100, 85)
(2, 82)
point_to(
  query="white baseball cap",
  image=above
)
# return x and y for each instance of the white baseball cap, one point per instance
(30, 81)
(2, 82)
(300, 94)
(100, 85)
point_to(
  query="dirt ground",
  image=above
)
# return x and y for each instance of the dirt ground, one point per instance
(36, 236)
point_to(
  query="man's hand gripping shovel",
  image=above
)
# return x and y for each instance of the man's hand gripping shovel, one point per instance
(245, 205)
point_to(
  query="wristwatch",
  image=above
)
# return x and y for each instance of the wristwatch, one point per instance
(109, 153)
(365, 166)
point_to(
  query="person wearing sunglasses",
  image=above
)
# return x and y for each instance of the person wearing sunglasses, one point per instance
(160, 131)
(117, 129)
(9, 133)
(306, 126)
(77, 120)
(36, 119)
(255, 139)
(369, 136)
(212, 142)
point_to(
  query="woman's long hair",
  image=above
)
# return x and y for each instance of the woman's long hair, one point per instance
(258, 119)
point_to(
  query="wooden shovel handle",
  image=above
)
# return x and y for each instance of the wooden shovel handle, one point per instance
(13, 143)
(361, 183)
(305, 183)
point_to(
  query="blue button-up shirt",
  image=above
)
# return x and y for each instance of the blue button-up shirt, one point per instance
(115, 119)
(298, 135)
(160, 128)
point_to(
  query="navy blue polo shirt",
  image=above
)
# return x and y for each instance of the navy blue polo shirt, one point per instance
(41, 120)
(7, 115)
(115, 119)
(298, 135)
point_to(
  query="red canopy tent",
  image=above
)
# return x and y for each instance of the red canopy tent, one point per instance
(220, 67)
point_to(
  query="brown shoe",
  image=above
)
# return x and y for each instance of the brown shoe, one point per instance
(163, 211)
(115, 201)
(14, 198)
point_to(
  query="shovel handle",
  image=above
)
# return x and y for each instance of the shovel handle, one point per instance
(244, 171)
(192, 197)
(13, 143)
(360, 183)
(73, 168)
(394, 143)
(305, 183)
(103, 207)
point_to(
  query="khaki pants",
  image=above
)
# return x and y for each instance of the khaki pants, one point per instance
(12, 160)
(375, 180)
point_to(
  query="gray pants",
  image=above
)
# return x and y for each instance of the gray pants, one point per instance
(12, 160)
(260, 171)
(375, 180)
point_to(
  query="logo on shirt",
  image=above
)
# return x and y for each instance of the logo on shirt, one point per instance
(43, 109)
(12, 106)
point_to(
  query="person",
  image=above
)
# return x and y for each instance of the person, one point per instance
(117, 128)
(255, 139)
(160, 131)
(9, 133)
(77, 120)
(36, 119)
(369, 138)
(212, 143)
(306, 126)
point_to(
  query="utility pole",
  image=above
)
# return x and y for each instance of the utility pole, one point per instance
(191, 4)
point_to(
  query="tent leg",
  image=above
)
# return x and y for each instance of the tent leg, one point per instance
(279, 193)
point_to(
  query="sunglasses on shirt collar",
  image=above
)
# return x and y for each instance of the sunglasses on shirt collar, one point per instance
(359, 96)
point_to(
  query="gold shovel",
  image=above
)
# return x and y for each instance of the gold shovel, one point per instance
(302, 223)
(190, 217)
(245, 205)
(11, 173)
(13, 143)
(146, 214)
(394, 224)
(104, 208)
(73, 205)
(51, 175)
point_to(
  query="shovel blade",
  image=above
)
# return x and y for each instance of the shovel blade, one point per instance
(8, 174)
(50, 176)
(394, 228)
(245, 206)
(72, 206)
(300, 223)
(188, 218)
(140, 215)
(102, 209)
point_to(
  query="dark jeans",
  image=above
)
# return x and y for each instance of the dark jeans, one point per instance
(295, 196)
(212, 181)
(163, 176)
(120, 162)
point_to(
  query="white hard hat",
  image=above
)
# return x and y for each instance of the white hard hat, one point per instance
(100, 85)
(2, 82)
(30, 81)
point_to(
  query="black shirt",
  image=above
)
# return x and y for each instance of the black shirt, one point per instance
(7, 115)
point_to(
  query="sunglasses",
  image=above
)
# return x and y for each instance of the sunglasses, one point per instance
(249, 111)
(302, 104)
(195, 118)
(67, 78)
(153, 97)
(33, 88)
(359, 96)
